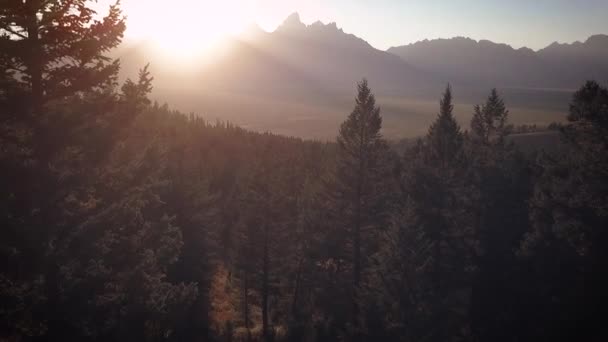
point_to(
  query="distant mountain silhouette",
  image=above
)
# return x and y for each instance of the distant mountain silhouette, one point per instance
(483, 63)
(300, 79)
(578, 62)
(297, 56)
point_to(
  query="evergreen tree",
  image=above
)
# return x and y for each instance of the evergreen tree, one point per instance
(48, 51)
(488, 125)
(445, 139)
(568, 239)
(57, 48)
(502, 181)
(192, 200)
(269, 212)
(402, 274)
(439, 204)
(91, 239)
(360, 175)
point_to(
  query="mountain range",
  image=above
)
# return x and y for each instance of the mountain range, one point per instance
(484, 63)
(300, 79)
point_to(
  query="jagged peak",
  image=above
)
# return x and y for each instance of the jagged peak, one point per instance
(293, 26)
(292, 22)
(319, 26)
(333, 25)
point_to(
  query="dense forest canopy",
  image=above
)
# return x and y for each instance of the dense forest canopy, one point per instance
(124, 220)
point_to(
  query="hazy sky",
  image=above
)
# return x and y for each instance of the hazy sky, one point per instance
(385, 23)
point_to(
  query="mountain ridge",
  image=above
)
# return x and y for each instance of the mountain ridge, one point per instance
(486, 62)
(300, 78)
(598, 37)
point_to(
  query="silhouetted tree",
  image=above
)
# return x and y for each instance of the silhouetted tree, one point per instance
(93, 258)
(361, 171)
(488, 125)
(57, 48)
(444, 140)
(567, 244)
(439, 202)
(402, 267)
(502, 180)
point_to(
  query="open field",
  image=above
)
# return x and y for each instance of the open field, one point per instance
(321, 118)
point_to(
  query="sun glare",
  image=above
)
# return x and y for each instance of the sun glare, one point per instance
(187, 28)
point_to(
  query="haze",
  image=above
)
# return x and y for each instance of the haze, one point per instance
(303, 171)
(534, 24)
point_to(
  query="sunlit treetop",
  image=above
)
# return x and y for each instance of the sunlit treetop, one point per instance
(55, 48)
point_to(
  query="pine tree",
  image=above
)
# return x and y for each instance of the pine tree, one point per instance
(568, 239)
(502, 181)
(361, 171)
(438, 203)
(402, 269)
(269, 212)
(193, 202)
(49, 50)
(445, 139)
(488, 125)
(92, 263)
(56, 48)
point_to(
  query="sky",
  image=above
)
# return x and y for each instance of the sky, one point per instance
(383, 23)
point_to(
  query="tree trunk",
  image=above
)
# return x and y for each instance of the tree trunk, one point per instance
(296, 291)
(357, 245)
(265, 289)
(246, 305)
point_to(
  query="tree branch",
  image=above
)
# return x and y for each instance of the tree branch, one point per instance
(8, 28)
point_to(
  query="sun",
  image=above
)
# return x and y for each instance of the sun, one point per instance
(187, 28)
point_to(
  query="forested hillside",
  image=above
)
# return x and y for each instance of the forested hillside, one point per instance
(124, 220)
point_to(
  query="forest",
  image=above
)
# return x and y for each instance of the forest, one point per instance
(124, 220)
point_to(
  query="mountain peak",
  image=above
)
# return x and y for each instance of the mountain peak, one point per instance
(292, 22)
(598, 39)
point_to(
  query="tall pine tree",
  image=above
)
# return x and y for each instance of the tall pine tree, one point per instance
(439, 205)
(360, 175)
(88, 238)
(502, 181)
(568, 239)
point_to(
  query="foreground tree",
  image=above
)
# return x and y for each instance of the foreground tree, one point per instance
(568, 240)
(439, 201)
(56, 48)
(86, 237)
(48, 50)
(361, 171)
(502, 180)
